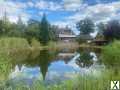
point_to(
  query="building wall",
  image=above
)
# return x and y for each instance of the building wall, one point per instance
(67, 39)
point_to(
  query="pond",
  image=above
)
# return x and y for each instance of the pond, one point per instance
(52, 66)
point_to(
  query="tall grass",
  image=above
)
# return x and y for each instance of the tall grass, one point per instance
(85, 82)
(62, 45)
(111, 54)
(13, 42)
(35, 43)
(5, 67)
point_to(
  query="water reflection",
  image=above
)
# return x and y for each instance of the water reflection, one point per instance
(85, 59)
(53, 66)
(35, 65)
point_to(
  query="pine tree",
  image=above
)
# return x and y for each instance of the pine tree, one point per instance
(44, 35)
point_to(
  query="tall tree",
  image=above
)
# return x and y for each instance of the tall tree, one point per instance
(85, 26)
(32, 30)
(44, 31)
(5, 25)
(112, 30)
(101, 28)
(20, 26)
(53, 33)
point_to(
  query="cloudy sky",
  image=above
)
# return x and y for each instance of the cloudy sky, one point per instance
(61, 12)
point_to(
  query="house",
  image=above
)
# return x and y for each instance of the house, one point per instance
(85, 38)
(66, 35)
(100, 40)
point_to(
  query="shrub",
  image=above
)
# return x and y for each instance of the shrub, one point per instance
(35, 43)
(13, 42)
(111, 54)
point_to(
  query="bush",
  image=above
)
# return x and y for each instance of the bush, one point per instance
(111, 54)
(13, 42)
(35, 43)
(112, 30)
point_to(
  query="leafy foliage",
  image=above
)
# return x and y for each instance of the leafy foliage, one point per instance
(85, 26)
(39, 30)
(32, 30)
(112, 30)
(111, 54)
(44, 31)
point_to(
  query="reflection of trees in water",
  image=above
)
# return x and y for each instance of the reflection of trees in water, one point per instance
(85, 59)
(44, 61)
(41, 59)
(87, 56)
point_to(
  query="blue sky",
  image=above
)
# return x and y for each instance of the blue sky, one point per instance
(61, 12)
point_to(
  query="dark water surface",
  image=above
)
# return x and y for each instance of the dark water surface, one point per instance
(51, 66)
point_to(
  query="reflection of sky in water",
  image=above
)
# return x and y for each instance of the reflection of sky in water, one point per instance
(94, 56)
(57, 70)
(25, 72)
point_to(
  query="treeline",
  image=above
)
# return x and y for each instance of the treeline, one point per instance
(109, 30)
(39, 30)
(44, 32)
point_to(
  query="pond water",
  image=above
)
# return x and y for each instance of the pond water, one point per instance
(52, 67)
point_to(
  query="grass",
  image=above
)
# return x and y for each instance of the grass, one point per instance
(111, 54)
(5, 67)
(35, 44)
(90, 46)
(85, 82)
(62, 45)
(16, 43)
(12, 42)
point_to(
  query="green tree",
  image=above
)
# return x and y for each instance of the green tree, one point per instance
(112, 30)
(32, 30)
(5, 25)
(20, 27)
(17, 29)
(85, 26)
(53, 33)
(101, 28)
(1, 27)
(44, 35)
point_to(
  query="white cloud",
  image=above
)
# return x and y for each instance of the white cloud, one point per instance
(30, 4)
(61, 23)
(13, 18)
(66, 5)
(1, 1)
(13, 10)
(72, 4)
(98, 12)
(45, 5)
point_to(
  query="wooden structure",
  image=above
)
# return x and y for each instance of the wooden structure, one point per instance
(100, 42)
(66, 35)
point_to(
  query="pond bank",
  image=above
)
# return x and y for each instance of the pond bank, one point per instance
(14, 43)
